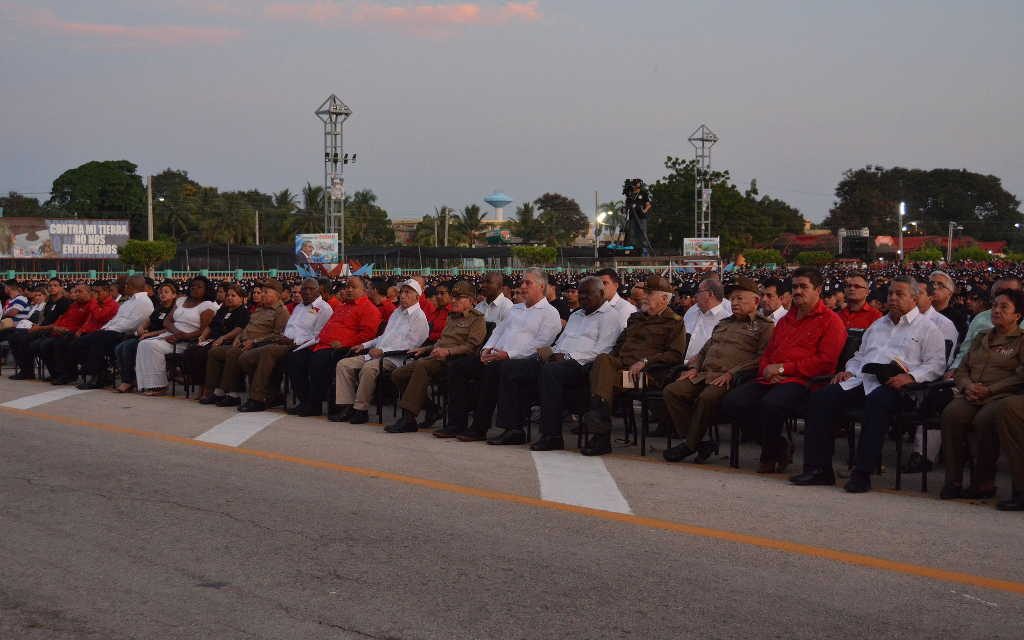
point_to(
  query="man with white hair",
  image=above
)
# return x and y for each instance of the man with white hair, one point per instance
(407, 329)
(529, 325)
(942, 301)
(701, 318)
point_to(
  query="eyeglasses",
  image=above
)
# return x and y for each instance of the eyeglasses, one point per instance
(938, 284)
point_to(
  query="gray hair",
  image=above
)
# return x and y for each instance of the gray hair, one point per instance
(664, 294)
(538, 274)
(915, 286)
(944, 276)
(590, 280)
(715, 288)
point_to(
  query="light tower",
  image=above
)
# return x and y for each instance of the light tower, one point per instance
(499, 201)
(702, 140)
(333, 113)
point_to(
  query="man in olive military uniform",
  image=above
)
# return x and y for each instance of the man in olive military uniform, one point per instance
(654, 341)
(734, 347)
(463, 334)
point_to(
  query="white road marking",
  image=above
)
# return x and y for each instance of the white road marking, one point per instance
(570, 478)
(37, 399)
(239, 428)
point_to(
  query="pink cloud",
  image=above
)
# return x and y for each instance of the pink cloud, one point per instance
(416, 17)
(47, 20)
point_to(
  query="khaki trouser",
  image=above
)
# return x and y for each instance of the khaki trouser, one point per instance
(347, 392)
(261, 365)
(693, 407)
(606, 377)
(1010, 423)
(413, 379)
(222, 370)
(959, 417)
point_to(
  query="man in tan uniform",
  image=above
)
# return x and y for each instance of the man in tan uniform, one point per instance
(463, 334)
(266, 327)
(654, 336)
(733, 348)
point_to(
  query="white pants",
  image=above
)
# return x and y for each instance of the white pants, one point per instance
(151, 363)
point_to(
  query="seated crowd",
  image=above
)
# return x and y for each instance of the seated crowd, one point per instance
(753, 354)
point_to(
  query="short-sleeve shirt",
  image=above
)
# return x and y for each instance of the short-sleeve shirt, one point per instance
(187, 319)
(227, 320)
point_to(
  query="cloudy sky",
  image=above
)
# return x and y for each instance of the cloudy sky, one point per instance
(455, 99)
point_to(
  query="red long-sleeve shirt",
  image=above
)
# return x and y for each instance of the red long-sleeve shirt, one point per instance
(75, 316)
(352, 323)
(437, 323)
(386, 308)
(859, 319)
(100, 315)
(806, 347)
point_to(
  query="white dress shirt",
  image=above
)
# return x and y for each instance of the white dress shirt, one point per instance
(526, 329)
(586, 336)
(306, 321)
(702, 325)
(690, 317)
(496, 310)
(946, 328)
(407, 328)
(913, 341)
(778, 314)
(623, 309)
(131, 314)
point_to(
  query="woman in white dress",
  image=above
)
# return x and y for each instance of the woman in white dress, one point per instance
(191, 314)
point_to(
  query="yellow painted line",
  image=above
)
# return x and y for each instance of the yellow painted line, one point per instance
(796, 548)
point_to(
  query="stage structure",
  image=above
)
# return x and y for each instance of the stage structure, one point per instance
(702, 140)
(333, 113)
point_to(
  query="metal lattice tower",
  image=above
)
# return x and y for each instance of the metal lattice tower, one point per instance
(333, 113)
(702, 140)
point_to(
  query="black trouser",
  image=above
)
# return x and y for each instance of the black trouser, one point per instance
(517, 391)
(93, 350)
(636, 234)
(58, 355)
(297, 366)
(557, 379)
(318, 375)
(461, 373)
(825, 405)
(764, 408)
(21, 348)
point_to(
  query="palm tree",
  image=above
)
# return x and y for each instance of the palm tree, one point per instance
(313, 198)
(470, 223)
(285, 200)
(526, 225)
(427, 231)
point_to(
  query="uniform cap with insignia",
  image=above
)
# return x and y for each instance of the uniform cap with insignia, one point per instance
(657, 283)
(463, 288)
(743, 283)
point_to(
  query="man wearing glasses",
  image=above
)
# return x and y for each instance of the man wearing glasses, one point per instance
(858, 314)
(942, 300)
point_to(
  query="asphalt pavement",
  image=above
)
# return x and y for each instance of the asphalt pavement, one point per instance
(117, 522)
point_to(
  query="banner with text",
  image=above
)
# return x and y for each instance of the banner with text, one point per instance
(701, 247)
(61, 238)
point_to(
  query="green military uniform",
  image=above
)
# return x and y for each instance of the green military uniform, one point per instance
(734, 347)
(265, 328)
(996, 361)
(660, 340)
(463, 334)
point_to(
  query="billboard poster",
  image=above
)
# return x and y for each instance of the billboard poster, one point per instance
(316, 253)
(62, 238)
(701, 247)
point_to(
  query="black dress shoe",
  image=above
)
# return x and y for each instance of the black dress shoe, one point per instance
(917, 463)
(1015, 503)
(599, 445)
(471, 436)
(432, 415)
(509, 436)
(252, 406)
(597, 421)
(276, 401)
(306, 411)
(343, 413)
(704, 451)
(859, 482)
(229, 401)
(22, 376)
(974, 493)
(293, 410)
(446, 432)
(210, 399)
(405, 424)
(814, 477)
(677, 453)
(90, 384)
(951, 492)
(548, 443)
(358, 417)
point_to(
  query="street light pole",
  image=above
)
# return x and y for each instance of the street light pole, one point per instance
(903, 212)
(149, 207)
(949, 242)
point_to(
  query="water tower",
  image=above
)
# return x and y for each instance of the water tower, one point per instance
(499, 201)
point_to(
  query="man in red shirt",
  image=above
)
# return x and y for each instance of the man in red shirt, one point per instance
(804, 345)
(378, 295)
(101, 308)
(311, 370)
(62, 332)
(858, 314)
(440, 318)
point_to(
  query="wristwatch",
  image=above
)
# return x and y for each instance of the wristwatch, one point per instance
(782, 369)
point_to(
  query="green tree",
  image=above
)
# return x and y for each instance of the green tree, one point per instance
(366, 223)
(526, 226)
(428, 232)
(611, 217)
(813, 258)
(286, 201)
(560, 219)
(926, 254)
(536, 256)
(470, 223)
(313, 198)
(870, 197)
(14, 205)
(101, 189)
(973, 252)
(763, 256)
(146, 255)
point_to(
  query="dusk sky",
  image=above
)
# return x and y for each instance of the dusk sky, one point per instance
(453, 100)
